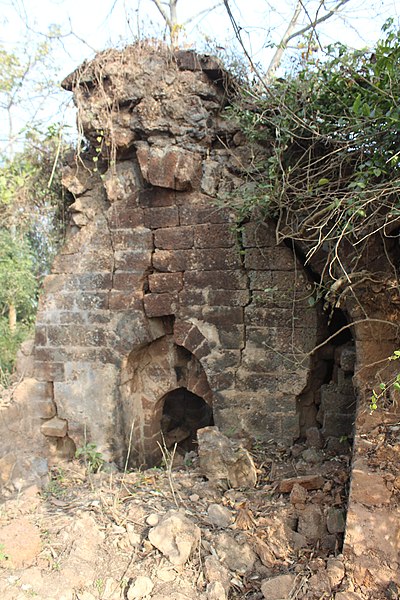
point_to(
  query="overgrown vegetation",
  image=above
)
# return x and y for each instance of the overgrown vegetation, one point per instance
(330, 173)
(32, 205)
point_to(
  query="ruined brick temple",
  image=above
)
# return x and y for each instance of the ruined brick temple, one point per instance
(164, 311)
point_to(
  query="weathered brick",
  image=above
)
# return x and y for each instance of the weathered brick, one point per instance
(211, 235)
(262, 280)
(278, 317)
(55, 427)
(121, 217)
(232, 337)
(218, 280)
(228, 297)
(49, 371)
(269, 258)
(128, 281)
(133, 260)
(58, 335)
(171, 260)
(223, 316)
(120, 300)
(170, 167)
(181, 331)
(212, 260)
(165, 282)
(258, 234)
(154, 218)
(139, 237)
(173, 238)
(194, 340)
(157, 197)
(191, 214)
(89, 300)
(160, 305)
(40, 336)
(192, 297)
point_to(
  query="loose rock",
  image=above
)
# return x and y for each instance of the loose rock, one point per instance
(218, 515)
(224, 460)
(141, 588)
(175, 536)
(278, 588)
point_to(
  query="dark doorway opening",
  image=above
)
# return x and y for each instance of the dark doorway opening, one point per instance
(183, 414)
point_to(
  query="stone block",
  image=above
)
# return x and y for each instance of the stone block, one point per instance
(48, 370)
(217, 279)
(87, 300)
(337, 424)
(136, 238)
(132, 260)
(262, 281)
(172, 261)
(173, 238)
(121, 217)
(122, 181)
(274, 259)
(171, 167)
(155, 218)
(232, 337)
(165, 282)
(223, 316)
(258, 234)
(119, 300)
(191, 214)
(212, 260)
(128, 282)
(228, 297)
(160, 305)
(335, 520)
(157, 197)
(193, 297)
(55, 427)
(210, 235)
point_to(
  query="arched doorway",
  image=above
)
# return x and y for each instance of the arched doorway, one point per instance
(183, 414)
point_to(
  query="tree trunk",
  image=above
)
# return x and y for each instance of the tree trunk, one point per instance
(12, 317)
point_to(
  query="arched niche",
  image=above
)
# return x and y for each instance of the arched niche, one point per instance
(150, 376)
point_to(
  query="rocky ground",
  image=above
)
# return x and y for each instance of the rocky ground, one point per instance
(171, 533)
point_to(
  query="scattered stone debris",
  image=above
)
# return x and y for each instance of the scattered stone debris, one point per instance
(162, 533)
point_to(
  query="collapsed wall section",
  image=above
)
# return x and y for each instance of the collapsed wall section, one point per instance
(151, 261)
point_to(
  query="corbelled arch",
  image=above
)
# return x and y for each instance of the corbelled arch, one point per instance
(148, 374)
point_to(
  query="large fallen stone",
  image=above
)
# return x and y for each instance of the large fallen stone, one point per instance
(236, 554)
(225, 461)
(278, 588)
(175, 536)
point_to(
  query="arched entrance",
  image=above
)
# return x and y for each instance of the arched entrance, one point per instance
(183, 414)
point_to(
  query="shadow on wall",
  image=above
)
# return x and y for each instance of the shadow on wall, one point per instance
(183, 414)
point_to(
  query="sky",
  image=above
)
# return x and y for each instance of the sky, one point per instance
(88, 26)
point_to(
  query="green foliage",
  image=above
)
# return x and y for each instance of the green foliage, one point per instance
(18, 284)
(10, 342)
(91, 457)
(330, 171)
(385, 387)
